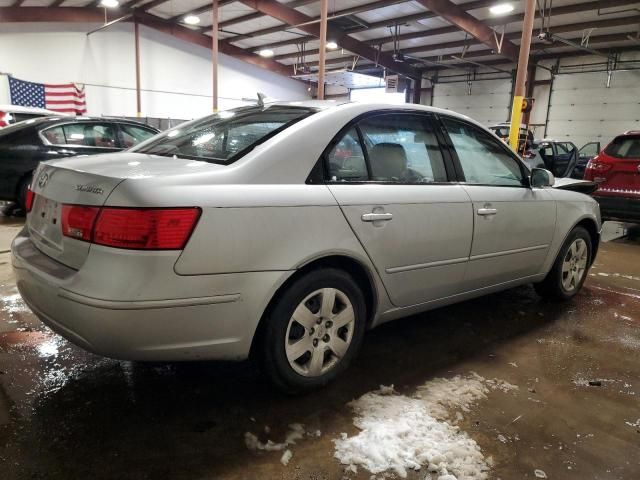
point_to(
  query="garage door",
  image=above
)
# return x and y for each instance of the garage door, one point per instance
(584, 110)
(489, 102)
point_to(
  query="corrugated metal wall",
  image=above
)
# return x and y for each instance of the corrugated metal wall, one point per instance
(488, 103)
(583, 109)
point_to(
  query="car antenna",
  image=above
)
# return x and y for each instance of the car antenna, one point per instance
(261, 97)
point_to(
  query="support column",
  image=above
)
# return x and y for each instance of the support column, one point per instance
(136, 34)
(214, 53)
(323, 46)
(521, 74)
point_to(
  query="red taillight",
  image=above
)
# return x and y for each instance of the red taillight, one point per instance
(146, 229)
(28, 201)
(599, 167)
(78, 221)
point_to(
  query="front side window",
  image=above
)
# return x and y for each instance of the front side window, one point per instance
(223, 137)
(483, 159)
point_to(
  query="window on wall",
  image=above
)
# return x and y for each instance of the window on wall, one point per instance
(376, 95)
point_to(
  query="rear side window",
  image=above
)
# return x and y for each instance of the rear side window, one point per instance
(626, 147)
(133, 135)
(391, 147)
(484, 160)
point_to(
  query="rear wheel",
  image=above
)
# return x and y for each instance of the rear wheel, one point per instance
(570, 269)
(314, 330)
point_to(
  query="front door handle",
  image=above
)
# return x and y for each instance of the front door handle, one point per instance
(377, 217)
(487, 211)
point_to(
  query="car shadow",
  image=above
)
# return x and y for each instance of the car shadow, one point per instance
(125, 420)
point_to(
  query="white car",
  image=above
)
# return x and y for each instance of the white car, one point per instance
(10, 114)
(283, 232)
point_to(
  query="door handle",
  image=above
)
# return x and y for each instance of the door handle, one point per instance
(377, 217)
(487, 211)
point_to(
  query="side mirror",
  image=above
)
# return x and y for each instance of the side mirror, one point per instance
(541, 178)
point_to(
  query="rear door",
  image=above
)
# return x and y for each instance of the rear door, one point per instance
(513, 224)
(390, 177)
(130, 135)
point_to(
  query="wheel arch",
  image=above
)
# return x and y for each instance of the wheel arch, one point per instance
(362, 275)
(590, 225)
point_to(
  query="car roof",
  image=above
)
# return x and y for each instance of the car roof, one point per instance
(21, 109)
(38, 122)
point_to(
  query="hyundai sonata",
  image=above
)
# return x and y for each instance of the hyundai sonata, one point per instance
(283, 232)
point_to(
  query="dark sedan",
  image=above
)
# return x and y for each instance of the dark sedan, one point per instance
(25, 144)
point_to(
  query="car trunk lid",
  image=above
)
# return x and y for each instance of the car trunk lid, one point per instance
(86, 181)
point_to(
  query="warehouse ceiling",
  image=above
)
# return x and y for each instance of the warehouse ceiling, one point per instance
(423, 33)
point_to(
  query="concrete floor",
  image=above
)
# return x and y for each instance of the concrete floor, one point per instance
(67, 414)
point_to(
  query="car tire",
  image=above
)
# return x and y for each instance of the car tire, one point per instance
(313, 331)
(570, 268)
(21, 194)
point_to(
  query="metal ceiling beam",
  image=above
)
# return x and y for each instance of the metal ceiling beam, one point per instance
(57, 3)
(153, 3)
(381, 24)
(340, 13)
(256, 15)
(48, 14)
(536, 47)
(474, 27)
(571, 27)
(197, 38)
(294, 18)
(516, 18)
(197, 11)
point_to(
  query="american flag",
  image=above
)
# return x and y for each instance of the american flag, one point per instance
(63, 97)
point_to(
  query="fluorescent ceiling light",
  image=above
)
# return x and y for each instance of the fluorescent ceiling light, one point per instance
(191, 20)
(501, 8)
(110, 3)
(332, 45)
(266, 53)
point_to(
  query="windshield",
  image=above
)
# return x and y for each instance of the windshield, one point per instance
(624, 147)
(224, 136)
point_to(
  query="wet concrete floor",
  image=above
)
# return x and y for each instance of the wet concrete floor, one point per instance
(67, 414)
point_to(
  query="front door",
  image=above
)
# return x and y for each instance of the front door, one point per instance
(513, 224)
(390, 178)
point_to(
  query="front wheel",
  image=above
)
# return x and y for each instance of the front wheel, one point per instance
(314, 330)
(570, 269)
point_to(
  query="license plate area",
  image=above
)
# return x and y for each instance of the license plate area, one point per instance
(45, 222)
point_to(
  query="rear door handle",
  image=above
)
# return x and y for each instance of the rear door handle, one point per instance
(487, 211)
(377, 217)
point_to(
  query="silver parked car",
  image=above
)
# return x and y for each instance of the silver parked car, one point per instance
(283, 232)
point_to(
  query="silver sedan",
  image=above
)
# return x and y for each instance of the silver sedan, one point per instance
(283, 232)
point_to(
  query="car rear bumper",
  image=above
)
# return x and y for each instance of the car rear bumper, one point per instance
(626, 209)
(219, 326)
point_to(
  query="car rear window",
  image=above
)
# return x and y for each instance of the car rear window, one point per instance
(624, 147)
(225, 136)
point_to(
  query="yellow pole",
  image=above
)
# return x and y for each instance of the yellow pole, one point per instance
(521, 73)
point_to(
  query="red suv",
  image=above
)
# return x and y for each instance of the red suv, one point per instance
(616, 170)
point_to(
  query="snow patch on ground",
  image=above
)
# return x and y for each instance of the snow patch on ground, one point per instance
(296, 432)
(399, 433)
